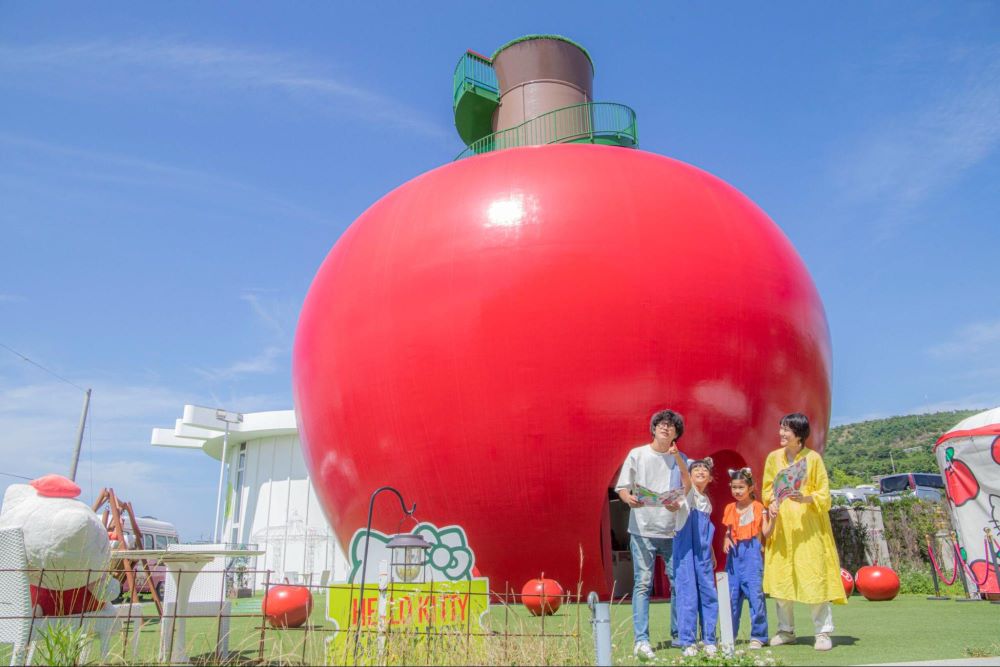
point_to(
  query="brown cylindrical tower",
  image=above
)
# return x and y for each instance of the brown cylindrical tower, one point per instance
(537, 75)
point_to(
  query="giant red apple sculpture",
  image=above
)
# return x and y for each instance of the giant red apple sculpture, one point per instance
(492, 337)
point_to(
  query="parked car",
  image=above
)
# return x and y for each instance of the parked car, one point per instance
(923, 485)
(853, 495)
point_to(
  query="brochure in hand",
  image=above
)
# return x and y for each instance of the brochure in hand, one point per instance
(789, 480)
(652, 499)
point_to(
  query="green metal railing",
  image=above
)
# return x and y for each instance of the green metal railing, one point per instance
(473, 71)
(592, 122)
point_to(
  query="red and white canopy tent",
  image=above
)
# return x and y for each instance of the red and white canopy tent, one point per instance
(969, 458)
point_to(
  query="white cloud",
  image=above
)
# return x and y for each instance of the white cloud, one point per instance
(124, 170)
(974, 339)
(263, 363)
(38, 424)
(151, 64)
(977, 401)
(277, 318)
(267, 312)
(908, 158)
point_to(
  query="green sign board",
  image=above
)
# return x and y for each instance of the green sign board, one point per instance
(412, 614)
(405, 608)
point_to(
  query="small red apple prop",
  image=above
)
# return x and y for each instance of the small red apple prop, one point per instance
(962, 484)
(542, 596)
(848, 581)
(287, 606)
(877, 583)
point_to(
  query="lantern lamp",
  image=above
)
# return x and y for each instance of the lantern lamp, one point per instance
(408, 557)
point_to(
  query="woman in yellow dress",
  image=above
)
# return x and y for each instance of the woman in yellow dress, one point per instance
(800, 557)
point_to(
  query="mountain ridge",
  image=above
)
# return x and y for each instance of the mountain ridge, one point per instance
(858, 453)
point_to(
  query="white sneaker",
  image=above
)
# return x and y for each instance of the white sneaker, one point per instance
(690, 651)
(644, 651)
(756, 644)
(710, 650)
(823, 642)
(782, 638)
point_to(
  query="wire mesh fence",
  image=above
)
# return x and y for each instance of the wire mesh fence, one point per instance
(427, 623)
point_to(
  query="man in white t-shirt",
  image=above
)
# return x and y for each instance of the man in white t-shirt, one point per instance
(651, 529)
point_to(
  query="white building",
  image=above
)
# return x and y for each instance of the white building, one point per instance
(268, 499)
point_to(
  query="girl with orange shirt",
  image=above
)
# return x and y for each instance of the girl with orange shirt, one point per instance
(747, 525)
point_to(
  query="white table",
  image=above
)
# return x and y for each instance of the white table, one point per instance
(189, 562)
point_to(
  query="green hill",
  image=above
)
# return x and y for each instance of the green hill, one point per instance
(856, 453)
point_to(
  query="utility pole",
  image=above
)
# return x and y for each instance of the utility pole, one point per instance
(79, 435)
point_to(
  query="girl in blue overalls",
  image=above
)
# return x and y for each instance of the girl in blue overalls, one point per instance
(747, 525)
(694, 562)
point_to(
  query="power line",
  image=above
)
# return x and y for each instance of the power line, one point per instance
(35, 363)
(10, 474)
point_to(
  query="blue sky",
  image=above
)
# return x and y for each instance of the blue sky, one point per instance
(172, 175)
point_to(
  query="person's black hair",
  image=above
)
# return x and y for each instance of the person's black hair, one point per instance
(798, 424)
(705, 463)
(743, 475)
(670, 417)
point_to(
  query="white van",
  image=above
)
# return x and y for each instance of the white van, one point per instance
(156, 534)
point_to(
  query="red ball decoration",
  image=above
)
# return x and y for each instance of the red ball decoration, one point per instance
(848, 581)
(503, 327)
(542, 597)
(287, 606)
(877, 583)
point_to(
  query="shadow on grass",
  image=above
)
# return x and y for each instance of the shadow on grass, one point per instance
(838, 640)
(809, 640)
(843, 640)
(241, 659)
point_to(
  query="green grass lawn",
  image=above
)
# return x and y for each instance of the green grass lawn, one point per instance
(906, 629)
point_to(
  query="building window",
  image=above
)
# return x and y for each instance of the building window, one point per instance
(241, 464)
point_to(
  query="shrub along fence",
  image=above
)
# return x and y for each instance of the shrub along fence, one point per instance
(895, 535)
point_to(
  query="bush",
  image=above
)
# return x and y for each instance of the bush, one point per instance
(921, 583)
(908, 524)
(853, 543)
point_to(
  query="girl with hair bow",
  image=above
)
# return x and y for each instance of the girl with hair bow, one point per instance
(747, 526)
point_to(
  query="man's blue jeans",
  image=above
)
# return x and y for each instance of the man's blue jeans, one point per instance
(644, 553)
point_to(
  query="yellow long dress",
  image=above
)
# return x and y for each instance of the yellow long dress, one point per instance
(800, 556)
